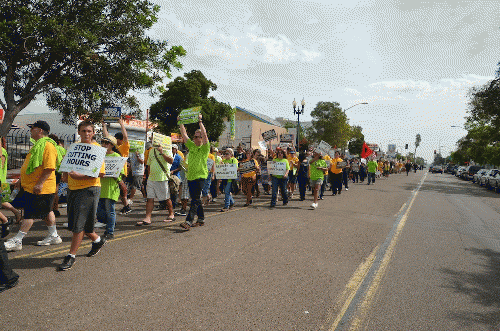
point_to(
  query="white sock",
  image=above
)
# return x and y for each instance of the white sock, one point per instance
(19, 236)
(52, 230)
(98, 240)
(72, 255)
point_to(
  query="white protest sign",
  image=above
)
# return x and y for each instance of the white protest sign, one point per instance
(287, 137)
(114, 165)
(323, 148)
(190, 115)
(246, 167)
(210, 164)
(276, 168)
(262, 145)
(284, 145)
(164, 141)
(341, 165)
(85, 159)
(269, 135)
(226, 171)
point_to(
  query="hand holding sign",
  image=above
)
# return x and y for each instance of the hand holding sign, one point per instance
(190, 115)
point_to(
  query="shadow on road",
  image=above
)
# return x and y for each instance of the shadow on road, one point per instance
(449, 185)
(482, 287)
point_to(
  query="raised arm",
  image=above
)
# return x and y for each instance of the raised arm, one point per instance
(204, 137)
(105, 132)
(183, 132)
(124, 131)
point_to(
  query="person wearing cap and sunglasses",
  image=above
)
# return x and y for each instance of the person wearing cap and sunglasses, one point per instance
(197, 172)
(38, 181)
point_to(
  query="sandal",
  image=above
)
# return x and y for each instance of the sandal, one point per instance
(169, 219)
(185, 226)
(141, 223)
(224, 210)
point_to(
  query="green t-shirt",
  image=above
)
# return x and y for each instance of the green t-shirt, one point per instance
(372, 166)
(109, 185)
(3, 171)
(284, 161)
(60, 155)
(231, 160)
(198, 156)
(313, 169)
(156, 173)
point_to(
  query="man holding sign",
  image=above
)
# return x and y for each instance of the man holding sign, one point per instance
(83, 194)
(38, 180)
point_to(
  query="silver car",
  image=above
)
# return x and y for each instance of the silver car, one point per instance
(485, 180)
(495, 181)
(477, 176)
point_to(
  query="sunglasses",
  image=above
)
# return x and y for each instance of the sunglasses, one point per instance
(196, 137)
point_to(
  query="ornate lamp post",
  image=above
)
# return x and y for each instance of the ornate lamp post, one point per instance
(297, 111)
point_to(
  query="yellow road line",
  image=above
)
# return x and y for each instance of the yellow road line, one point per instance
(65, 248)
(351, 289)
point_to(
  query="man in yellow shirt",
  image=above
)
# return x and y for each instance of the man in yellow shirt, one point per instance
(335, 174)
(83, 197)
(38, 180)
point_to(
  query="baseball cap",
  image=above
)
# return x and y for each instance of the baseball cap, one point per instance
(40, 124)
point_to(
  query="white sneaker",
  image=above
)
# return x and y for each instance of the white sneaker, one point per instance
(346, 189)
(314, 205)
(13, 245)
(99, 225)
(50, 240)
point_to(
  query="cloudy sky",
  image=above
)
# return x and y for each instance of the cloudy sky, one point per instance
(413, 61)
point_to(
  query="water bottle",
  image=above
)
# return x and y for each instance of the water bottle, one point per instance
(14, 193)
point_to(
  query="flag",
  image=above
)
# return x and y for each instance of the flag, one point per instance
(365, 151)
(233, 124)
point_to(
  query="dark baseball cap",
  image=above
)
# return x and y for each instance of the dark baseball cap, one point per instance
(40, 124)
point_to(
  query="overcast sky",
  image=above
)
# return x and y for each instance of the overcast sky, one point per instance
(412, 61)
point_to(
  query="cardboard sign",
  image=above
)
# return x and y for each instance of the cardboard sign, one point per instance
(269, 135)
(111, 114)
(323, 148)
(341, 165)
(164, 141)
(114, 166)
(137, 146)
(190, 115)
(284, 146)
(226, 171)
(246, 167)
(287, 138)
(85, 159)
(276, 168)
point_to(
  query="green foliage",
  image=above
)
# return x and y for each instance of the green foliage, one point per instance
(185, 92)
(329, 124)
(357, 139)
(81, 55)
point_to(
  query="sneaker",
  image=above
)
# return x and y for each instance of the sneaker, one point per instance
(99, 225)
(181, 212)
(129, 202)
(9, 285)
(67, 263)
(96, 247)
(185, 226)
(314, 205)
(346, 189)
(126, 210)
(13, 245)
(50, 240)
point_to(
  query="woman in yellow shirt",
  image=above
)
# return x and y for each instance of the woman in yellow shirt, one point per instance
(248, 168)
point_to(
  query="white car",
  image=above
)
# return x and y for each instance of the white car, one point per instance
(477, 176)
(485, 180)
(460, 170)
(495, 181)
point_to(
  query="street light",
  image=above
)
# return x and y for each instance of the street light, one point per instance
(361, 103)
(297, 111)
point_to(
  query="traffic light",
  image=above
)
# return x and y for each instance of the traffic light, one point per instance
(406, 146)
(434, 151)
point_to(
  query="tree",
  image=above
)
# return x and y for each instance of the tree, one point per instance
(190, 91)
(329, 124)
(418, 139)
(357, 140)
(80, 55)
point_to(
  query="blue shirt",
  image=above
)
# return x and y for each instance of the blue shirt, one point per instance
(176, 164)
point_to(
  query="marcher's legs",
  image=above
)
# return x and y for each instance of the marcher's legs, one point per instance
(274, 191)
(196, 208)
(7, 275)
(283, 184)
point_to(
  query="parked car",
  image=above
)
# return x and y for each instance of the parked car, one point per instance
(477, 176)
(486, 178)
(493, 181)
(449, 167)
(471, 171)
(454, 169)
(437, 169)
(459, 171)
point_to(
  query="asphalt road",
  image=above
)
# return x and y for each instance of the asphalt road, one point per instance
(408, 253)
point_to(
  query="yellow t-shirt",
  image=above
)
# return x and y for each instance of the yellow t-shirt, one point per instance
(181, 154)
(292, 159)
(49, 162)
(380, 166)
(211, 156)
(124, 150)
(327, 158)
(333, 165)
(75, 184)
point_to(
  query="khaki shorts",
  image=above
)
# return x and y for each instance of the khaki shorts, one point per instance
(158, 190)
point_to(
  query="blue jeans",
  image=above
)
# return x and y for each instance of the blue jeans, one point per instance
(106, 214)
(206, 185)
(371, 175)
(196, 208)
(282, 183)
(228, 198)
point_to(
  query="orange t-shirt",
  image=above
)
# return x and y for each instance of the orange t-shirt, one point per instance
(49, 162)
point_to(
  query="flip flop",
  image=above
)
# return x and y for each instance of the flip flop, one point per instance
(141, 223)
(169, 219)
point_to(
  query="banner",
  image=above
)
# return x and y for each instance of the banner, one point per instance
(226, 171)
(111, 114)
(85, 159)
(190, 115)
(269, 135)
(114, 166)
(287, 138)
(233, 124)
(323, 148)
(164, 141)
(246, 167)
(137, 146)
(276, 168)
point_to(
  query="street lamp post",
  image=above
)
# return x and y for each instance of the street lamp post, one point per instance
(297, 111)
(361, 103)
